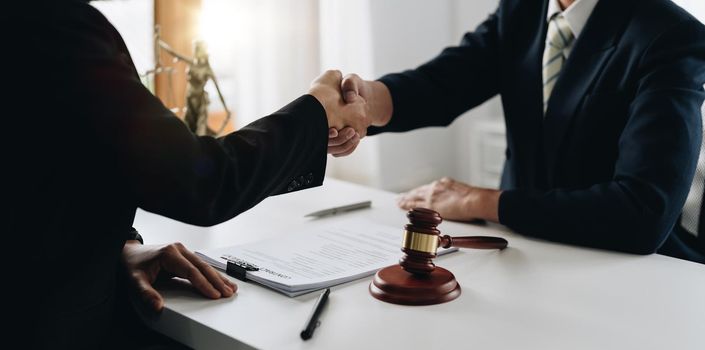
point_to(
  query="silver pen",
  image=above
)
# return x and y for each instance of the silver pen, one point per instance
(340, 209)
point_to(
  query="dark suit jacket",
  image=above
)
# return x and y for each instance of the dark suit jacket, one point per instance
(85, 144)
(610, 164)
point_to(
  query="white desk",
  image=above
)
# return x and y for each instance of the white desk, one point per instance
(533, 295)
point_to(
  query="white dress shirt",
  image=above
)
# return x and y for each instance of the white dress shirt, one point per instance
(576, 15)
(691, 210)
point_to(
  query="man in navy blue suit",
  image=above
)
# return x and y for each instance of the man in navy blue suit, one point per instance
(602, 107)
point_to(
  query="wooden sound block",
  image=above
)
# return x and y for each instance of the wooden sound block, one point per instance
(394, 285)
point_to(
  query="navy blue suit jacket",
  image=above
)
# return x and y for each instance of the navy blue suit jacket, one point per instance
(611, 163)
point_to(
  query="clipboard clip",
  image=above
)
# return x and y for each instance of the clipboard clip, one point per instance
(238, 268)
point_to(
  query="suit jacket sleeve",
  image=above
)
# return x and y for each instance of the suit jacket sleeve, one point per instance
(440, 90)
(166, 168)
(657, 155)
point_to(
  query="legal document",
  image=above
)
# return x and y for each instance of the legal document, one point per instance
(302, 262)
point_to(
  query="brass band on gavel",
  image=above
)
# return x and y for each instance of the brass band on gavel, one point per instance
(420, 242)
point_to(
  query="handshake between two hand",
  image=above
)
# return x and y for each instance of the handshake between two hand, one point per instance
(351, 105)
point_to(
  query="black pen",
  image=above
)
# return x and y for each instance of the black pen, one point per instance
(313, 322)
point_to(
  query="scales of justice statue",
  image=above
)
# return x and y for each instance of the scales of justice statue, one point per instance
(198, 73)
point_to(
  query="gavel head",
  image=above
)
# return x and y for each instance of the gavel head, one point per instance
(421, 238)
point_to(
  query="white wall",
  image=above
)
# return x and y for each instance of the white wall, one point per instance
(403, 34)
(695, 7)
(134, 19)
(409, 33)
(468, 14)
(264, 52)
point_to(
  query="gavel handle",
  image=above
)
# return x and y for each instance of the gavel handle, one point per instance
(475, 242)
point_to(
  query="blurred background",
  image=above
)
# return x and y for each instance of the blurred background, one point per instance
(266, 52)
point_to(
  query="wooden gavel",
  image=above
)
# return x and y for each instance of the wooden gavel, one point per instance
(422, 239)
(416, 280)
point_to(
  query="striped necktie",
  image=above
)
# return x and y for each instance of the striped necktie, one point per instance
(558, 39)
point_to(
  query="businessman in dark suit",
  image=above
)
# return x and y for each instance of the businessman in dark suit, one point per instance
(86, 144)
(602, 108)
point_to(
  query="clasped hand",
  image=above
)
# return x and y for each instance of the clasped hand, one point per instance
(350, 107)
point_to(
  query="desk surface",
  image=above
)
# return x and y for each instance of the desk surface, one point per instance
(533, 295)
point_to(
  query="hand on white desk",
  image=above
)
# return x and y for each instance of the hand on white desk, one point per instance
(454, 200)
(145, 263)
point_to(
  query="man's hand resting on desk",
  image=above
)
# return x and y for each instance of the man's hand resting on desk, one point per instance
(144, 263)
(454, 200)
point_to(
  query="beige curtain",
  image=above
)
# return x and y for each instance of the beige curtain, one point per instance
(264, 52)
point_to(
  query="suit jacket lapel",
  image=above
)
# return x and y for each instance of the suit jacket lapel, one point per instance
(592, 49)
